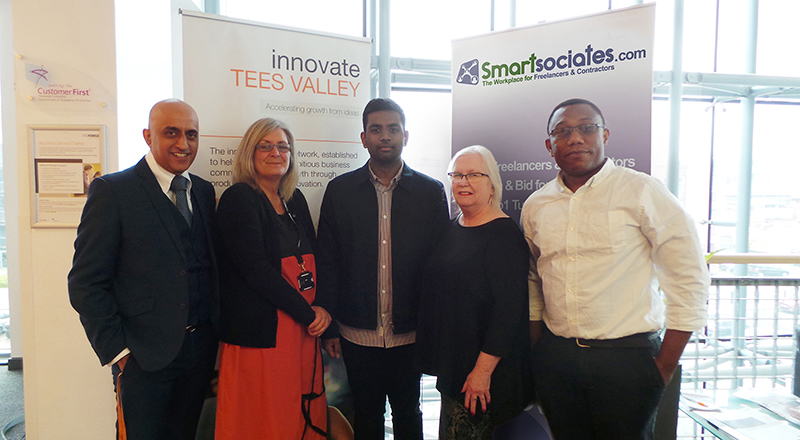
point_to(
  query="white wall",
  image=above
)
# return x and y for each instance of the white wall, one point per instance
(68, 395)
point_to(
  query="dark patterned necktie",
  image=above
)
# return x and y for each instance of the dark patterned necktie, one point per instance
(178, 186)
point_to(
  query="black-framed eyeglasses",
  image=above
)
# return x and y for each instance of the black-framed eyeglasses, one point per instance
(583, 130)
(456, 177)
(266, 148)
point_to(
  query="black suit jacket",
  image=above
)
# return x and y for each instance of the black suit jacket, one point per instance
(130, 280)
(347, 247)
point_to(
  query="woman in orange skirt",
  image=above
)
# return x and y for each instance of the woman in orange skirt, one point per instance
(270, 379)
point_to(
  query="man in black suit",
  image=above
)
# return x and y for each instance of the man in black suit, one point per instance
(144, 280)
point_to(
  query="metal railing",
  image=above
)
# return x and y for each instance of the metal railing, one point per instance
(750, 336)
(749, 340)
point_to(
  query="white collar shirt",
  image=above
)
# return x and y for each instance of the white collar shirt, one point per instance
(164, 179)
(599, 256)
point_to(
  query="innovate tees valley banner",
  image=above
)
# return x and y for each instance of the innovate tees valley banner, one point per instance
(505, 85)
(236, 72)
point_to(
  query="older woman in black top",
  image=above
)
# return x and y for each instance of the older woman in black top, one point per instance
(270, 370)
(473, 330)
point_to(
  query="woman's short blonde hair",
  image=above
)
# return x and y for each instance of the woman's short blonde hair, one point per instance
(244, 169)
(491, 166)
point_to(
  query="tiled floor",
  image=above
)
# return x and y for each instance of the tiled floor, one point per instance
(11, 402)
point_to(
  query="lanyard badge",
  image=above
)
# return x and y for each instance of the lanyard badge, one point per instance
(305, 281)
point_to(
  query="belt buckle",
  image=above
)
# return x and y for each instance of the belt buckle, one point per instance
(578, 341)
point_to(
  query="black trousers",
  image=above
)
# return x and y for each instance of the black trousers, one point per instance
(597, 393)
(166, 404)
(375, 374)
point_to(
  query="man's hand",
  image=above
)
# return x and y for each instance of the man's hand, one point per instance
(666, 370)
(333, 347)
(671, 350)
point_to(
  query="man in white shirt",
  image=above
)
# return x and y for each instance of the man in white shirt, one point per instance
(603, 240)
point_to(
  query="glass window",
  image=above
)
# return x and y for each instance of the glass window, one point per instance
(694, 154)
(425, 29)
(777, 27)
(428, 120)
(732, 22)
(725, 177)
(775, 200)
(5, 319)
(139, 84)
(529, 13)
(694, 158)
(699, 31)
(338, 17)
(662, 47)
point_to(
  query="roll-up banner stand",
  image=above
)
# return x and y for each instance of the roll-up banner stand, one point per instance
(505, 84)
(236, 72)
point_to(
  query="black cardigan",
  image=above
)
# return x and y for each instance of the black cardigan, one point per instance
(252, 288)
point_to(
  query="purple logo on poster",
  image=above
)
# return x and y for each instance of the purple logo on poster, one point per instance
(468, 73)
(37, 75)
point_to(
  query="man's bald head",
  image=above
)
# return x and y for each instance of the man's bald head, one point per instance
(173, 134)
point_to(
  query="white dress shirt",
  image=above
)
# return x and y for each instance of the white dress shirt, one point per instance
(599, 255)
(164, 179)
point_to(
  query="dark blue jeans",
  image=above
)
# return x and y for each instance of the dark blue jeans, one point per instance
(375, 374)
(597, 393)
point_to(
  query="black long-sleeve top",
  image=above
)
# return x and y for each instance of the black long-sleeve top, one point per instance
(475, 299)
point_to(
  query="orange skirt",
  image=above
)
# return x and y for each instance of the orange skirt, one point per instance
(260, 389)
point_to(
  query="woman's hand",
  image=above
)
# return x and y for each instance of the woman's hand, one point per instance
(321, 322)
(476, 388)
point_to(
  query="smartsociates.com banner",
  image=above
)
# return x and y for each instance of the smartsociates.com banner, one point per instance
(590, 60)
(236, 72)
(507, 83)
